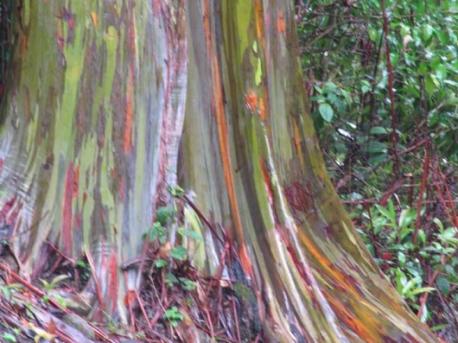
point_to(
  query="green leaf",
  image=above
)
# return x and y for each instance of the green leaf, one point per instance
(173, 315)
(422, 290)
(365, 86)
(443, 285)
(176, 191)
(160, 263)
(379, 130)
(373, 34)
(326, 112)
(158, 232)
(406, 217)
(426, 32)
(170, 280)
(439, 224)
(9, 337)
(377, 147)
(431, 84)
(58, 279)
(421, 236)
(178, 253)
(449, 235)
(441, 72)
(163, 214)
(190, 233)
(187, 284)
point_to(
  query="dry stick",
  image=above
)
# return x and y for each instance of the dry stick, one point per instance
(98, 289)
(14, 321)
(394, 117)
(142, 309)
(424, 181)
(431, 280)
(54, 303)
(202, 217)
(237, 326)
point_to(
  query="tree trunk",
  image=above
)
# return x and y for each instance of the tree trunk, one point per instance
(90, 140)
(94, 109)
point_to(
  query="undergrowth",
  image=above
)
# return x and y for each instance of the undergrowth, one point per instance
(382, 77)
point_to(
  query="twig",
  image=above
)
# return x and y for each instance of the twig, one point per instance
(424, 180)
(99, 333)
(98, 289)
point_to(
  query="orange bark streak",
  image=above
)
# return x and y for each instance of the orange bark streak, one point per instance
(327, 265)
(251, 100)
(365, 331)
(262, 109)
(281, 22)
(258, 12)
(297, 143)
(129, 114)
(224, 141)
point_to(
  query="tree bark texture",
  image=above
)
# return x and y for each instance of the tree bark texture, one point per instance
(108, 96)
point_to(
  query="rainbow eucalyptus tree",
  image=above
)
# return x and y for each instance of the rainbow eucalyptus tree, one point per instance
(109, 101)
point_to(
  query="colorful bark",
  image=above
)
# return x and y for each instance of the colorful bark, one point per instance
(98, 88)
(90, 142)
(264, 179)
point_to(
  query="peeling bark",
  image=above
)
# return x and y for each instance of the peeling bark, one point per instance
(264, 179)
(94, 119)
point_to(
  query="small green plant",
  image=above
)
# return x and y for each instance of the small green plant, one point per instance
(164, 214)
(389, 238)
(173, 316)
(9, 337)
(160, 263)
(187, 284)
(179, 253)
(51, 285)
(7, 291)
(158, 232)
(170, 280)
(176, 191)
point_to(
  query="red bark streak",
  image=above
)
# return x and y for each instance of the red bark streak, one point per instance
(67, 235)
(292, 253)
(298, 196)
(9, 212)
(156, 7)
(267, 182)
(113, 280)
(129, 111)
